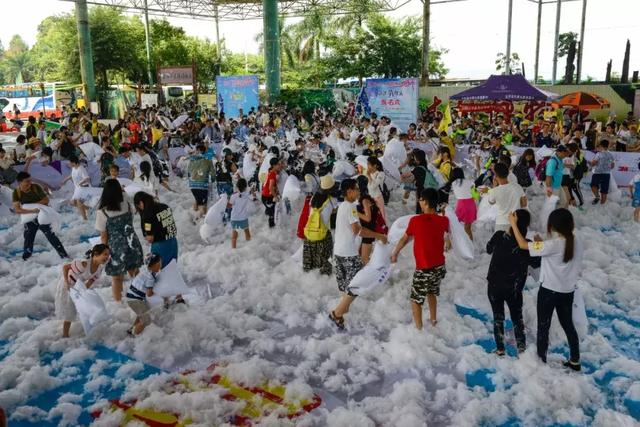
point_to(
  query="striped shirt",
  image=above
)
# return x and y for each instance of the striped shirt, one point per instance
(139, 285)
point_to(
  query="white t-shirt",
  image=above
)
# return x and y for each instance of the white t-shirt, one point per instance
(507, 199)
(345, 241)
(462, 189)
(511, 178)
(240, 206)
(555, 274)
(78, 175)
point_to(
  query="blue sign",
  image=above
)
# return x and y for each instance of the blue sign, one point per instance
(394, 98)
(235, 93)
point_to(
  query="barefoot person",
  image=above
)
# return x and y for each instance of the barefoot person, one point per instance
(428, 231)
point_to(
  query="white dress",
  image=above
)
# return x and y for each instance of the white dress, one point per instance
(65, 309)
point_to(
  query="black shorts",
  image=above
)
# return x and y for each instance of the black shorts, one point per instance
(601, 182)
(566, 180)
(201, 195)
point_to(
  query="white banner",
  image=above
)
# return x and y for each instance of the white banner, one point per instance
(625, 169)
(148, 100)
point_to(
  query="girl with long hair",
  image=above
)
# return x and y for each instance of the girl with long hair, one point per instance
(561, 263)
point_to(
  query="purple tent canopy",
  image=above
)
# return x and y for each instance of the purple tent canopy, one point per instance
(504, 88)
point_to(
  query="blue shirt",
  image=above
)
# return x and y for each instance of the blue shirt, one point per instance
(554, 168)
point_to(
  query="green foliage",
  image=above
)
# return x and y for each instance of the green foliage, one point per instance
(16, 64)
(316, 50)
(381, 48)
(515, 63)
(564, 42)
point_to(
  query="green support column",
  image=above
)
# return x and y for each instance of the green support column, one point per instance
(86, 55)
(271, 49)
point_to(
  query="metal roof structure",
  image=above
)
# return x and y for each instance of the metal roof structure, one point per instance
(235, 10)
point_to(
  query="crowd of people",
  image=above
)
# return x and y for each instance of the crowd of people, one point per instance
(347, 168)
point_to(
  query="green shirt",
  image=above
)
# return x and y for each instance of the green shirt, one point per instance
(34, 195)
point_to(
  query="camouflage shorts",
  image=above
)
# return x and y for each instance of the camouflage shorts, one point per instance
(427, 282)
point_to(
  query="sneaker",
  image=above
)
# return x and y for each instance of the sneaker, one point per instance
(595, 201)
(500, 353)
(573, 366)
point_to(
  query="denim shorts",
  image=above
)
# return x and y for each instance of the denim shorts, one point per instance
(240, 225)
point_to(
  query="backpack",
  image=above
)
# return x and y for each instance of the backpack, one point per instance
(430, 181)
(541, 169)
(304, 217)
(316, 230)
(581, 168)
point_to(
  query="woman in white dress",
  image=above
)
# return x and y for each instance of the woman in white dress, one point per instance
(86, 270)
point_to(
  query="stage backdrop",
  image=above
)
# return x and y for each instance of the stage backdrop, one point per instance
(236, 92)
(394, 98)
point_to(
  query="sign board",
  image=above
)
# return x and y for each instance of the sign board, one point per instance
(394, 98)
(636, 104)
(175, 75)
(235, 93)
(148, 100)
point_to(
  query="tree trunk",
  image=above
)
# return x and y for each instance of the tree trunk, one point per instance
(570, 68)
(624, 78)
(607, 78)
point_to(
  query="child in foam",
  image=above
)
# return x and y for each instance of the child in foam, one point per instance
(428, 231)
(81, 181)
(87, 270)
(142, 287)
(466, 209)
(239, 204)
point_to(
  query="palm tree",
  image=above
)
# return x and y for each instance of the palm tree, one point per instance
(289, 48)
(16, 65)
(358, 11)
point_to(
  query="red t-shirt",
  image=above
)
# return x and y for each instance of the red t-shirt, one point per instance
(272, 176)
(134, 128)
(428, 232)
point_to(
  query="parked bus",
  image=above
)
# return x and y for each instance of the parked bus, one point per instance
(29, 99)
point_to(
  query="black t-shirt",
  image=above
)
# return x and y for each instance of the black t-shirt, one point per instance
(224, 175)
(159, 223)
(419, 174)
(32, 132)
(508, 266)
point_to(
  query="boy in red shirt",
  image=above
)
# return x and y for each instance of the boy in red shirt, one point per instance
(428, 231)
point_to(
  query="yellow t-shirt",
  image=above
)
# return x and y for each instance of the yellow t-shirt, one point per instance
(94, 129)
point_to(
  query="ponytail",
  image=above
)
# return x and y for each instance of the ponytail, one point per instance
(561, 221)
(568, 248)
(96, 250)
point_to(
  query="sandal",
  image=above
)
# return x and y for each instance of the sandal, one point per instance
(338, 321)
(500, 353)
(130, 332)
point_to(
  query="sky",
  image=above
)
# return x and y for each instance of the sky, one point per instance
(474, 31)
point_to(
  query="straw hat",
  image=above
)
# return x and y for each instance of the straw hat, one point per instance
(327, 182)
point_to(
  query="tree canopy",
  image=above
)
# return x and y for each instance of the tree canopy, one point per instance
(316, 51)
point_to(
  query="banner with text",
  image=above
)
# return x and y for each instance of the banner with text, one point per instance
(235, 93)
(394, 98)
